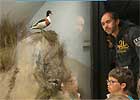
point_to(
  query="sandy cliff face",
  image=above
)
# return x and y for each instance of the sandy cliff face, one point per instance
(39, 68)
(34, 67)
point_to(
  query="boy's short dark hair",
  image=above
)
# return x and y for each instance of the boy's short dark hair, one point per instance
(123, 75)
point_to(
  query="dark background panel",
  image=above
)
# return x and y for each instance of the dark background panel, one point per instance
(127, 9)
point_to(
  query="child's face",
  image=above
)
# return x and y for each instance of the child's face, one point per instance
(113, 85)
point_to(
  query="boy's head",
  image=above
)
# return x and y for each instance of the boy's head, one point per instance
(119, 79)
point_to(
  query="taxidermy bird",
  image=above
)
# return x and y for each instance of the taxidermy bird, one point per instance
(43, 23)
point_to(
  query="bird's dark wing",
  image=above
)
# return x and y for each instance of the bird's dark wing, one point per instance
(48, 24)
(39, 22)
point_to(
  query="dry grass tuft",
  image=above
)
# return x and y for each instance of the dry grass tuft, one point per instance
(10, 34)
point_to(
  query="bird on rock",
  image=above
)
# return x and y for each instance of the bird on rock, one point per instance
(43, 23)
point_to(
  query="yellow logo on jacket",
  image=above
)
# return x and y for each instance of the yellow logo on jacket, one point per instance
(122, 46)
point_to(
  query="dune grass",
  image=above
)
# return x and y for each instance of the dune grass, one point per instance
(10, 33)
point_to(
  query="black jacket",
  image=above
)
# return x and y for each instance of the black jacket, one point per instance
(127, 47)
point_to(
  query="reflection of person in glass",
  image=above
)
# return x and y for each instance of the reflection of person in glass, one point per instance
(70, 88)
(80, 23)
(124, 42)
